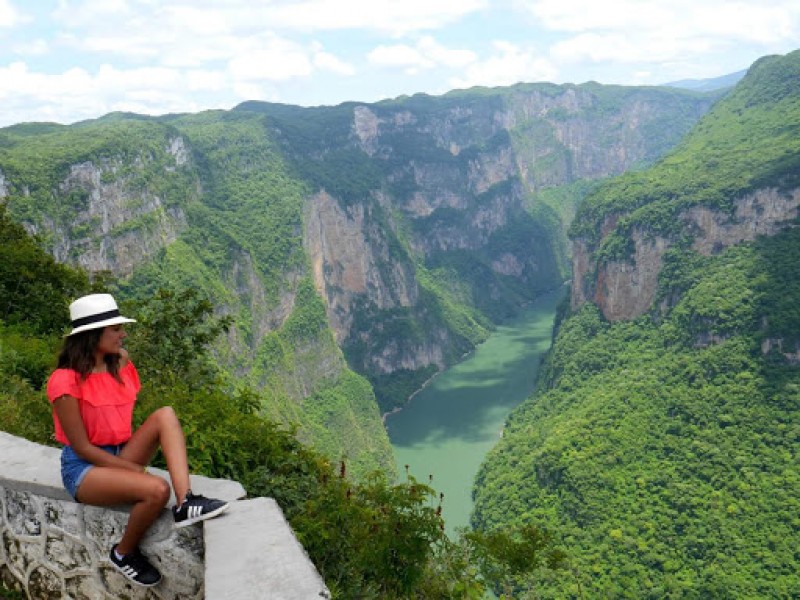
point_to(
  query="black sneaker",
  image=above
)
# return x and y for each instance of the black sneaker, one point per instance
(197, 508)
(136, 567)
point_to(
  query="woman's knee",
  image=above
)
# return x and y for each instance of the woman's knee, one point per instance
(166, 416)
(157, 491)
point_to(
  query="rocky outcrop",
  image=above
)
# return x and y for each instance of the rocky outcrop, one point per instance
(791, 354)
(365, 127)
(350, 261)
(3, 186)
(457, 173)
(764, 212)
(267, 313)
(179, 150)
(625, 289)
(114, 223)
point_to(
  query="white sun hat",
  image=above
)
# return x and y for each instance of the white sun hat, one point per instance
(95, 311)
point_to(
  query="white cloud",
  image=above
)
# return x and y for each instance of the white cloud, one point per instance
(271, 58)
(326, 61)
(761, 23)
(202, 80)
(445, 56)
(247, 90)
(37, 47)
(585, 15)
(427, 53)
(208, 17)
(133, 80)
(82, 13)
(745, 20)
(134, 47)
(621, 48)
(381, 15)
(198, 21)
(10, 16)
(508, 65)
(82, 95)
(399, 55)
(620, 40)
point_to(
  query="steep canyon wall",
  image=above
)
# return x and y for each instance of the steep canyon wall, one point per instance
(626, 289)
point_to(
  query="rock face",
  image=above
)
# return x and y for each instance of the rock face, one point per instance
(114, 223)
(764, 212)
(350, 258)
(626, 289)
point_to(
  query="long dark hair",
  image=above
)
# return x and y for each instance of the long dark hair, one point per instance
(78, 351)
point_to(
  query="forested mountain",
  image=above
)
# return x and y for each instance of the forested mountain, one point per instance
(662, 445)
(355, 248)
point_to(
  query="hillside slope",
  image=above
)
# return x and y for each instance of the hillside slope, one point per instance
(662, 445)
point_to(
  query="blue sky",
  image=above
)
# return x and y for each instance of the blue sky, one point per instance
(69, 60)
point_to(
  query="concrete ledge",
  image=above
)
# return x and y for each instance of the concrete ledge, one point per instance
(263, 560)
(54, 547)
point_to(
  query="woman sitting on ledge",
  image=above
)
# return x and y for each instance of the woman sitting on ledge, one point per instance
(103, 463)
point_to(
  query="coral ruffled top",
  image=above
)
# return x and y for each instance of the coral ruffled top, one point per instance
(106, 405)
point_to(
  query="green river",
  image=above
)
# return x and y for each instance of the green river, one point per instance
(448, 427)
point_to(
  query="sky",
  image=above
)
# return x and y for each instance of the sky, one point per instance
(71, 60)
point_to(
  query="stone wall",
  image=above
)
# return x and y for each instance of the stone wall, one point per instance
(54, 548)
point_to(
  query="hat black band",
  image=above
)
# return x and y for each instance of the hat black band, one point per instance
(95, 318)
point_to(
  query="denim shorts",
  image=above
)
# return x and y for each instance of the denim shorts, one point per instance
(74, 468)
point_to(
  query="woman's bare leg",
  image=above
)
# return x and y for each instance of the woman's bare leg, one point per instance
(161, 428)
(103, 486)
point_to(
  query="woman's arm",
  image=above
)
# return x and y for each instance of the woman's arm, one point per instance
(69, 415)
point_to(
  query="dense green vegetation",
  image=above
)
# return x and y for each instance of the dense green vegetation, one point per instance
(42, 158)
(663, 451)
(667, 468)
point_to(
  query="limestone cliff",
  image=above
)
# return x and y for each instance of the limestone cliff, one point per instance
(348, 254)
(626, 289)
(112, 220)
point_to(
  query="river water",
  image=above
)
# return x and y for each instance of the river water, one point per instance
(448, 427)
